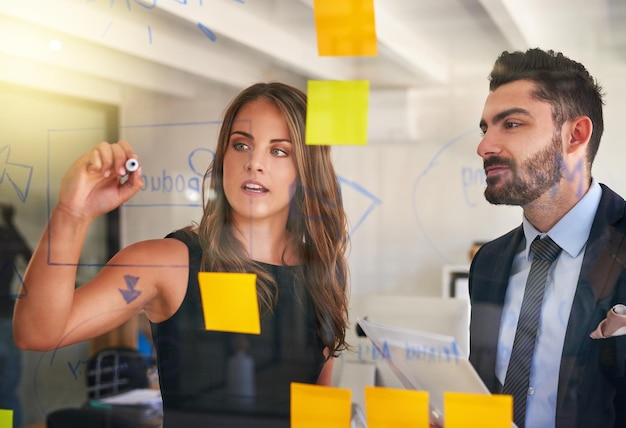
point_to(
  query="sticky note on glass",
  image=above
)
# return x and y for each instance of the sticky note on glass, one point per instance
(6, 418)
(229, 302)
(314, 406)
(392, 408)
(337, 112)
(462, 410)
(345, 27)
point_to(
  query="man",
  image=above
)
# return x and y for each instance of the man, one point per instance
(12, 247)
(542, 124)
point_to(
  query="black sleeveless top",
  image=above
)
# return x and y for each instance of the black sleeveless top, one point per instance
(218, 379)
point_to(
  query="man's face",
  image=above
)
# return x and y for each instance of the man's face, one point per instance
(521, 149)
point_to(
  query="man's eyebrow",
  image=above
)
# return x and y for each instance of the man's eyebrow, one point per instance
(503, 114)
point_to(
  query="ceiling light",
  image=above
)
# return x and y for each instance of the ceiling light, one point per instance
(55, 45)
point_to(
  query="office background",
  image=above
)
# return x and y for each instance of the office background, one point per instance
(159, 74)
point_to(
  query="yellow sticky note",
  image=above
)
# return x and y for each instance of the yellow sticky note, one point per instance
(462, 410)
(345, 27)
(337, 112)
(229, 302)
(392, 408)
(314, 406)
(6, 418)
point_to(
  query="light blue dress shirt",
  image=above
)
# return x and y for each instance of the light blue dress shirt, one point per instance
(571, 234)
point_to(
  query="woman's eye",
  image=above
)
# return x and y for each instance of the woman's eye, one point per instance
(279, 152)
(239, 146)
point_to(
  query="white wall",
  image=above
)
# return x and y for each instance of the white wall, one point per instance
(174, 139)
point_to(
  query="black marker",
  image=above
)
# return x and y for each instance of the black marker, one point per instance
(132, 165)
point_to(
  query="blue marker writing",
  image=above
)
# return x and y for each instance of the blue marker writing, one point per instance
(130, 293)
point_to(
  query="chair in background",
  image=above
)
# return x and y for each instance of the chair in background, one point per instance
(110, 372)
(115, 370)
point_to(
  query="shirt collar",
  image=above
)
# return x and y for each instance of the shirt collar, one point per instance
(572, 231)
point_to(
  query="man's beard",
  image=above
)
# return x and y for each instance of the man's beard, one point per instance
(535, 176)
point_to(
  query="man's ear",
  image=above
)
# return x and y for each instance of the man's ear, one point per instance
(578, 133)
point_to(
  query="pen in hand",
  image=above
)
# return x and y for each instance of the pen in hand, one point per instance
(132, 165)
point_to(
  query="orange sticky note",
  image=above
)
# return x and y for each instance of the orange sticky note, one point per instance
(314, 406)
(345, 27)
(337, 112)
(6, 418)
(229, 302)
(392, 408)
(462, 410)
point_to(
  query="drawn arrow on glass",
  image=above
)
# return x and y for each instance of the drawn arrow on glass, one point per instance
(18, 175)
(366, 201)
(74, 369)
(130, 293)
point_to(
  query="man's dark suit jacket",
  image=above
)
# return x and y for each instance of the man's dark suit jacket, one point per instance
(592, 382)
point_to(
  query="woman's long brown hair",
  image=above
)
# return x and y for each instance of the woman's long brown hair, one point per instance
(317, 221)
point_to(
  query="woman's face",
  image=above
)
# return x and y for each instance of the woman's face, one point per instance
(259, 168)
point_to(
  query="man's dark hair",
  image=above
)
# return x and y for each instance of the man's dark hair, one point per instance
(564, 83)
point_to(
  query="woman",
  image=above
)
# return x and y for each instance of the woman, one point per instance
(273, 208)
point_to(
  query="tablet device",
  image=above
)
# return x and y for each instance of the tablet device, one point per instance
(425, 361)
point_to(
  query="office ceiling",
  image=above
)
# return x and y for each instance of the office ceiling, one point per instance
(159, 45)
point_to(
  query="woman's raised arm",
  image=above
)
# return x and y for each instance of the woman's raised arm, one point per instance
(51, 311)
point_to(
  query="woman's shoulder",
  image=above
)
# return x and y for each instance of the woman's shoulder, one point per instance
(161, 252)
(188, 236)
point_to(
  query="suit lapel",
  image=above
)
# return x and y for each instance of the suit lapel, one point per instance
(604, 259)
(502, 267)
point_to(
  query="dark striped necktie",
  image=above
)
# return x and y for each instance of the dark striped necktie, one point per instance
(516, 383)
